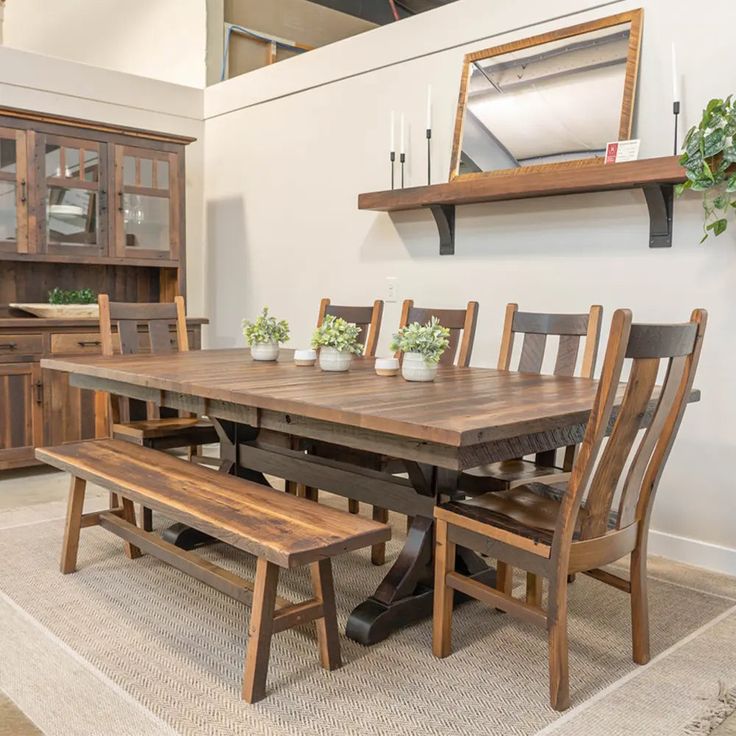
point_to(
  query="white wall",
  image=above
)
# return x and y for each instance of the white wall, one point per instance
(161, 39)
(288, 148)
(64, 88)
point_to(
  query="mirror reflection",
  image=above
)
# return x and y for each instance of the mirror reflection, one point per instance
(546, 103)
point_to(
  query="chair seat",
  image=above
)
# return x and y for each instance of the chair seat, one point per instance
(191, 430)
(500, 476)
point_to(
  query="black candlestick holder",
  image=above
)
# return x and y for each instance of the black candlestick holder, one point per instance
(402, 160)
(393, 161)
(676, 113)
(429, 155)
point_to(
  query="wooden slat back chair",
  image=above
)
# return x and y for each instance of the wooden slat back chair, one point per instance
(460, 322)
(552, 533)
(367, 318)
(536, 328)
(369, 321)
(133, 420)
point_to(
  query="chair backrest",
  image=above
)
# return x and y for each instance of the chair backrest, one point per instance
(597, 478)
(367, 318)
(537, 327)
(158, 318)
(460, 322)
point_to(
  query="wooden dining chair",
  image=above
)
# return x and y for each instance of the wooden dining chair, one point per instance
(460, 322)
(137, 421)
(367, 318)
(535, 329)
(553, 532)
(369, 321)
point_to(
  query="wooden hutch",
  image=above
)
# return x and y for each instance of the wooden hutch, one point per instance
(82, 205)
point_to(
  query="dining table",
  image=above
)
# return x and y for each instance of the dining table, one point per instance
(381, 440)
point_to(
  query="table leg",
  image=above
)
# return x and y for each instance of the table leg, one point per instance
(406, 594)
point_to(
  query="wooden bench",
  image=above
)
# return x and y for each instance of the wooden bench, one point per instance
(279, 529)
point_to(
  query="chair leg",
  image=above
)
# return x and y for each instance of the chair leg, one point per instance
(311, 494)
(504, 577)
(260, 631)
(378, 551)
(353, 506)
(639, 604)
(533, 590)
(327, 636)
(131, 551)
(443, 595)
(74, 508)
(291, 488)
(559, 675)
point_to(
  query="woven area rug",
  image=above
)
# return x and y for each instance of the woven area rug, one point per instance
(174, 647)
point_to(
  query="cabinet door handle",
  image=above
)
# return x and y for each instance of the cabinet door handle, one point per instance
(23, 191)
(89, 343)
(38, 385)
(103, 200)
(121, 205)
(8, 345)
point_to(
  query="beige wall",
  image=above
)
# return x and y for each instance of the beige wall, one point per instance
(65, 88)
(288, 148)
(161, 39)
(297, 21)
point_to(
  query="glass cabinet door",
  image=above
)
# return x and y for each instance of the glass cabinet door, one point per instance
(148, 203)
(74, 218)
(13, 191)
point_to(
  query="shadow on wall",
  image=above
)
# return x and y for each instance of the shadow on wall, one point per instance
(228, 272)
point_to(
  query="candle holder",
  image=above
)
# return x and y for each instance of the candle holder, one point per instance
(676, 113)
(402, 160)
(393, 161)
(429, 156)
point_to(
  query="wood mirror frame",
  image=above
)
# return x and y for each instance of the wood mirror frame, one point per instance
(634, 17)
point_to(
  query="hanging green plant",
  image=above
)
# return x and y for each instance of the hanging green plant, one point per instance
(709, 155)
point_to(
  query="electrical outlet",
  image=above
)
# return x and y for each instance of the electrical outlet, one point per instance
(392, 289)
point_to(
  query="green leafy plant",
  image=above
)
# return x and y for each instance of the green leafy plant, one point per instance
(335, 332)
(265, 329)
(65, 296)
(431, 340)
(709, 153)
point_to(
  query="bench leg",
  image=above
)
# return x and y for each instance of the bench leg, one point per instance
(378, 551)
(73, 525)
(327, 636)
(146, 519)
(260, 631)
(131, 551)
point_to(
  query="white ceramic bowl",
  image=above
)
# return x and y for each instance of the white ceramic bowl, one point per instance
(387, 366)
(334, 360)
(264, 351)
(415, 368)
(305, 357)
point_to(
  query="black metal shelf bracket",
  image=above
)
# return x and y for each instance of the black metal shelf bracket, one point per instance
(660, 202)
(444, 216)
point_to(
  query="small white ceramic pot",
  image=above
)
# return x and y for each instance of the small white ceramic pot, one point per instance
(387, 366)
(415, 368)
(305, 357)
(264, 351)
(331, 359)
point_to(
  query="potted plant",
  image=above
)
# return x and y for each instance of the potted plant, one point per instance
(709, 155)
(337, 342)
(422, 346)
(264, 335)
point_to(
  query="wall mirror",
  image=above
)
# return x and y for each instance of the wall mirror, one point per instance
(555, 99)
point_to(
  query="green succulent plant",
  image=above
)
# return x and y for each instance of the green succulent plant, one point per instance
(709, 155)
(335, 332)
(265, 329)
(66, 296)
(431, 340)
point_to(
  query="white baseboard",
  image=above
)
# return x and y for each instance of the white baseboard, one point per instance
(693, 552)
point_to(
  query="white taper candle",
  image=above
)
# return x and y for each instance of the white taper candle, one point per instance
(429, 107)
(675, 79)
(393, 125)
(402, 141)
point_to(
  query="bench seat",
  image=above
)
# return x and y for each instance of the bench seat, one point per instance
(281, 530)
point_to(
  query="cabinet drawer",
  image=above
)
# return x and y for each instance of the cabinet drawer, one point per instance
(13, 346)
(79, 343)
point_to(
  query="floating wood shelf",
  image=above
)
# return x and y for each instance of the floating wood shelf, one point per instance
(656, 177)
